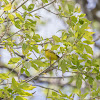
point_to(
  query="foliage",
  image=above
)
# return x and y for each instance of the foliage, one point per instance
(73, 45)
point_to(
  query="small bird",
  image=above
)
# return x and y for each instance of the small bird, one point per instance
(51, 55)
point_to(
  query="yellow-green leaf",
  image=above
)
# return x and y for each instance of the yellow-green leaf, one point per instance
(34, 66)
(11, 17)
(88, 49)
(23, 93)
(3, 76)
(20, 98)
(7, 7)
(14, 84)
(29, 87)
(56, 38)
(6, 2)
(19, 16)
(25, 48)
(55, 47)
(1, 20)
(79, 81)
(14, 60)
(45, 1)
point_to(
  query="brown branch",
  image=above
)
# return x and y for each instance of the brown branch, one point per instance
(12, 1)
(22, 56)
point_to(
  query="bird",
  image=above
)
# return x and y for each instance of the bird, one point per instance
(51, 55)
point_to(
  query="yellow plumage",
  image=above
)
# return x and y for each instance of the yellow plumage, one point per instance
(51, 55)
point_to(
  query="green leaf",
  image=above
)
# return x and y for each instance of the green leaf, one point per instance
(37, 17)
(88, 42)
(35, 48)
(94, 85)
(24, 14)
(32, 21)
(24, 7)
(27, 64)
(39, 63)
(25, 48)
(90, 79)
(22, 70)
(36, 37)
(7, 7)
(27, 73)
(17, 24)
(75, 60)
(74, 19)
(11, 17)
(88, 49)
(56, 38)
(14, 60)
(81, 21)
(71, 40)
(86, 56)
(83, 27)
(63, 65)
(84, 95)
(30, 7)
(34, 65)
(88, 35)
(23, 93)
(3, 76)
(14, 84)
(1, 20)
(80, 47)
(54, 94)
(6, 2)
(82, 15)
(79, 81)
(55, 47)
(45, 1)
(26, 86)
(69, 48)
(20, 98)
(19, 16)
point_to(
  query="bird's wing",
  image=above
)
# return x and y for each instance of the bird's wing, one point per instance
(54, 53)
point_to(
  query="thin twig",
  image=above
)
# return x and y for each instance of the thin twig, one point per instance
(22, 56)
(34, 54)
(47, 94)
(55, 13)
(80, 72)
(47, 88)
(56, 77)
(20, 5)
(42, 7)
(12, 1)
